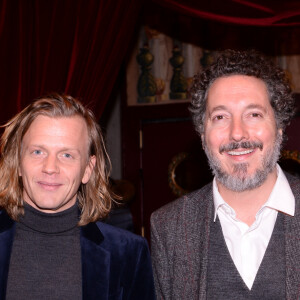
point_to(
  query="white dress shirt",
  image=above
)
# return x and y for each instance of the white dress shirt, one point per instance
(247, 245)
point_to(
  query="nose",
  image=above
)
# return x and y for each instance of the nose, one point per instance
(238, 131)
(50, 165)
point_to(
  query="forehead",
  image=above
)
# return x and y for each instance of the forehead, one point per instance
(236, 91)
(57, 131)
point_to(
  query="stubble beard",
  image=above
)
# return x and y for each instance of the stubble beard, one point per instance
(239, 180)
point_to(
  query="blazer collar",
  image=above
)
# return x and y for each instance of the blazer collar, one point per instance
(92, 233)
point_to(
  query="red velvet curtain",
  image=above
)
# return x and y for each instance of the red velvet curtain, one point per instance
(71, 46)
(78, 46)
(271, 26)
(241, 12)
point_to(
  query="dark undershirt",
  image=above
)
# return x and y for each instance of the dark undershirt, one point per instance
(46, 257)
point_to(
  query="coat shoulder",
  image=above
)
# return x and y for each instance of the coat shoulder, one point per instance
(195, 207)
(190, 203)
(294, 183)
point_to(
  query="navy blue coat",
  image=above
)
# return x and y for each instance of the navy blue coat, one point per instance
(115, 263)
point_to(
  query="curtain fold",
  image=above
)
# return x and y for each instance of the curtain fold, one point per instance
(241, 12)
(70, 46)
(78, 46)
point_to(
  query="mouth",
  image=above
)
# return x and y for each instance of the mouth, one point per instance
(241, 148)
(237, 153)
(49, 186)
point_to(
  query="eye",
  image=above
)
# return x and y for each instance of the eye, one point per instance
(218, 118)
(67, 155)
(36, 152)
(256, 115)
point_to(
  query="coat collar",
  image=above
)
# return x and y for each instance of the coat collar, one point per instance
(92, 233)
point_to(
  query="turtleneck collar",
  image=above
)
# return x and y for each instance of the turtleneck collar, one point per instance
(50, 223)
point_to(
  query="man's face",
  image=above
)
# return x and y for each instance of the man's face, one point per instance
(240, 136)
(54, 162)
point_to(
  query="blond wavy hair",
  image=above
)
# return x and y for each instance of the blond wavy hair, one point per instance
(95, 198)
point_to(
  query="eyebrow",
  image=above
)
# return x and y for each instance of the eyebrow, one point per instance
(217, 108)
(258, 106)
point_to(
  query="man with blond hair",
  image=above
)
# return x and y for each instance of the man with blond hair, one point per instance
(53, 193)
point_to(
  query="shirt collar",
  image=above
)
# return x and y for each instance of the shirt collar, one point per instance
(281, 198)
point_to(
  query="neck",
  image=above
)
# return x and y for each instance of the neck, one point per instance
(247, 203)
(50, 223)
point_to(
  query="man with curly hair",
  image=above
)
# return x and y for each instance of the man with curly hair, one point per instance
(54, 192)
(237, 237)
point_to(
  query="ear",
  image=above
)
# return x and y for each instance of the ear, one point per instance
(280, 131)
(89, 169)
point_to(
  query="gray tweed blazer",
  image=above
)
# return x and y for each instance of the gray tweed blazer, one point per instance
(179, 240)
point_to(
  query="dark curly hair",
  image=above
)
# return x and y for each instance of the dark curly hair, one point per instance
(250, 63)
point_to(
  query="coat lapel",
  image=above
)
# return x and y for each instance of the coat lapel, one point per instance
(95, 264)
(292, 237)
(204, 242)
(7, 230)
(191, 250)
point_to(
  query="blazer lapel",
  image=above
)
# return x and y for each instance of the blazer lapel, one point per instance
(191, 250)
(95, 264)
(292, 237)
(7, 230)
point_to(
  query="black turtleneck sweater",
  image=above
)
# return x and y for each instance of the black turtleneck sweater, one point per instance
(46, 259)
